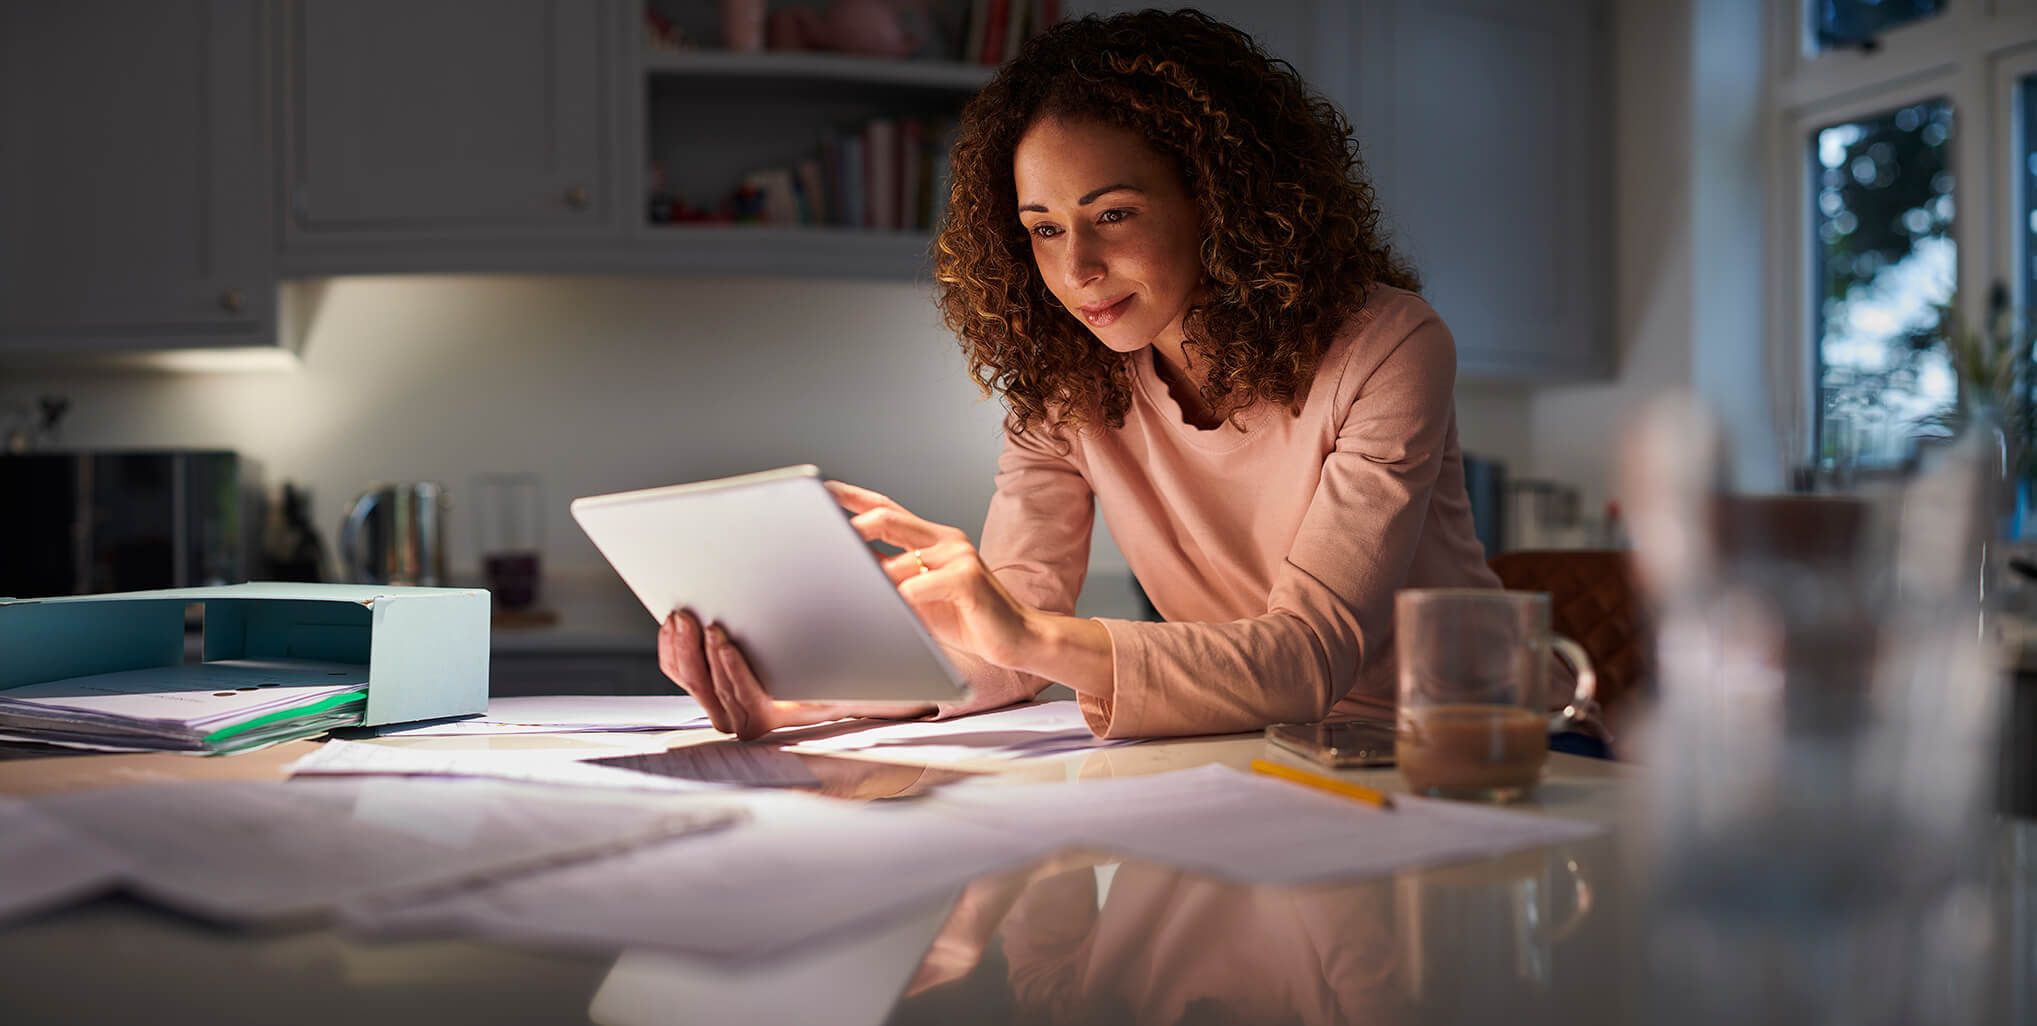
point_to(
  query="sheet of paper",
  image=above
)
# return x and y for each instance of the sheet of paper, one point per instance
(852, 982)
(559, 769)
(721, 762)
(802, 869)
(44, 865)
(1241, 826)
(264, 852)
(560, 714)
(1020, 732)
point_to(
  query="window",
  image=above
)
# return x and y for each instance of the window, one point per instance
(1842, 23)
(1884, 265)
(1905, 178)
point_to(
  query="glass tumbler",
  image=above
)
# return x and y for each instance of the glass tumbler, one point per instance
(509, 511)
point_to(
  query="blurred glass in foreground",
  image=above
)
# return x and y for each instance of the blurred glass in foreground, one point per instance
(1814, 841)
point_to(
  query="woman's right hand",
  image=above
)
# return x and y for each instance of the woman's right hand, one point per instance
(707, 663)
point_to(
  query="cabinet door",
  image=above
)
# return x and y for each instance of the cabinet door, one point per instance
(133, 176)
(444, 118)
(1485, 126)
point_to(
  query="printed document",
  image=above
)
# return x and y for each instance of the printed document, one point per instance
(801, 869)
(1245, 827)
(44, 866)
(1030, 731)
(559, 769)
(263, 852)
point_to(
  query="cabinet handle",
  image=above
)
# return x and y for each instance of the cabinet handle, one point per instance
(578, 198)
(232, 301)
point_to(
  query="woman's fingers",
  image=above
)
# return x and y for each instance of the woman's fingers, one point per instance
(926, 559)
(894, 526)
(856, 499)
(744, 697)
(683, 656)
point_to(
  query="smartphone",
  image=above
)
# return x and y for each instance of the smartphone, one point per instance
(1340, 745)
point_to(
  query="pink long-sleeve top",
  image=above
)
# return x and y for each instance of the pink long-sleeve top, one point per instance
(1272, 547)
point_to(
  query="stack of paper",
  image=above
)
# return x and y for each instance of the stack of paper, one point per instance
(230, 705)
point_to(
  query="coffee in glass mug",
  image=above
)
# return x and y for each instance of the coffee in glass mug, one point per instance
(1474, 667)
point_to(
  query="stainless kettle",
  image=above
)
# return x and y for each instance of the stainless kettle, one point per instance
(396, 534)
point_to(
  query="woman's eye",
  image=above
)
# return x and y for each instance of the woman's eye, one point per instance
(1044, 231)
(1114, 215)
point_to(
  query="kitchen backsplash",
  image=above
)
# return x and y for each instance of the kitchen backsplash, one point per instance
(602, 383)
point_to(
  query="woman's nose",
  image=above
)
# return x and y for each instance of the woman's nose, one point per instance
(1084, 261)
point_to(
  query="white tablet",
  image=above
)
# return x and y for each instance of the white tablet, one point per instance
(773, 558)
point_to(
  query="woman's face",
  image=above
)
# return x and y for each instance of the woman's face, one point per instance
(1114, 231)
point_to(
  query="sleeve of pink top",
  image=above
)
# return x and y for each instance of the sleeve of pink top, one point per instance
(1036, 542)
(1333, 596)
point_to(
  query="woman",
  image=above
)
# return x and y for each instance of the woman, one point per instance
(1162, 254)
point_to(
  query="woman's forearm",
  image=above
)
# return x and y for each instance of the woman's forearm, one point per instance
(1071, 650)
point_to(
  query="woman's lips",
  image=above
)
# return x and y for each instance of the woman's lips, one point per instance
(1102, 316)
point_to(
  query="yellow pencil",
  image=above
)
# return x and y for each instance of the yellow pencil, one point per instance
(1323, 783)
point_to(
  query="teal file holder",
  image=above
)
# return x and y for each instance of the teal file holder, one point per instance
(426, 649)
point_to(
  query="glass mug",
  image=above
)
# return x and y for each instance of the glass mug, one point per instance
(1474, 668)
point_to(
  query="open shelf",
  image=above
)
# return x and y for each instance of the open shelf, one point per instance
(942, 76)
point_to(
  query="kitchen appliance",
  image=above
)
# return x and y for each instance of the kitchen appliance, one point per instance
(83, 522)
(396, 534)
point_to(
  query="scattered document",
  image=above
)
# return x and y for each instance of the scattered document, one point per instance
(215, 708)
(1031, 731)
(854, 981)
(723, 762)
(44, 865)
(1240, 826)
(559, 769)
(565, 714)
(801, 869)
(260, 853)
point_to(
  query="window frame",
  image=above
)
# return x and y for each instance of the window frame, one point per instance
(1971, 56)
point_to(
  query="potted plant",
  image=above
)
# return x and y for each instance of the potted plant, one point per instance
(1992, 367)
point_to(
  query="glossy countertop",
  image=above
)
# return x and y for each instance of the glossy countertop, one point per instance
(1082, 937)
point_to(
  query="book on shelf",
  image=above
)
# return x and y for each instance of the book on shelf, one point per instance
(996, 21)
(996, 29)
(880, 147)
(1015, 29)
(855, 211)
(979, 21)
(813, 194)
(911, 143)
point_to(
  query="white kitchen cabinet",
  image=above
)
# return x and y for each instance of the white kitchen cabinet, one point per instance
(1486, 127)
(415, 132)
(134, 184)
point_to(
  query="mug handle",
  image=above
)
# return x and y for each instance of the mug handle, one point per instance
(1584, 701)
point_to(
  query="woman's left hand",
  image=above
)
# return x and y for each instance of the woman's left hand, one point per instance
(944, 580)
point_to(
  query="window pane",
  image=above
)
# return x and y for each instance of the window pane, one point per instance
(1882, 235)
(1853, 22)
(2026, 99)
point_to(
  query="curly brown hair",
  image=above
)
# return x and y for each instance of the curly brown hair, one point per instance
(1291, 244)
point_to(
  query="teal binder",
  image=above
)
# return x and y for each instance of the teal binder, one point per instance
(426, 649)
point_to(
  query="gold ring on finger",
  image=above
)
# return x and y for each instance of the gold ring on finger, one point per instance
(917, 559)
